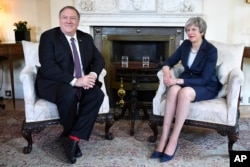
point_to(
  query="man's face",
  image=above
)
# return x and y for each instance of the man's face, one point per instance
(68, 21)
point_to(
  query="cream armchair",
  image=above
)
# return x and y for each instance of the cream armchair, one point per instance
(40, 113)
(221, 113)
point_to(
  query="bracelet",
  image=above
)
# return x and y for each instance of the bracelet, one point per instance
(176, 82)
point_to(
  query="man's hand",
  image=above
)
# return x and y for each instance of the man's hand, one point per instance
(86, 81)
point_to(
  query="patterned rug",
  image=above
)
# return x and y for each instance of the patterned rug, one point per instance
(197, 147)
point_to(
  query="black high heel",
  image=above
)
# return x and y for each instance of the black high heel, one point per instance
(157, 154)
(166, 157)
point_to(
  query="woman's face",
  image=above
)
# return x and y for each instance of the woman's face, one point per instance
(193, 33)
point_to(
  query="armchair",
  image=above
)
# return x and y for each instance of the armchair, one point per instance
(40, 113)
(224, 114)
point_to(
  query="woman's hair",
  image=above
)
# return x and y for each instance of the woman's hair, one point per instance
(198, 22)
(70, 7)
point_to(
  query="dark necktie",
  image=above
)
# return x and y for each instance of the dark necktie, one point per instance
(78, 70)
(77, 66)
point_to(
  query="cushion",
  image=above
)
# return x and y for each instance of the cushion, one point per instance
(222, 73)
(229, 57)
(223, 91)
(30, 50)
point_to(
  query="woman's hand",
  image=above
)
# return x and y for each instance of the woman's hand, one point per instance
(169, 81)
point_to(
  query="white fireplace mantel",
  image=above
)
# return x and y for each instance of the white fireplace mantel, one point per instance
(173, 13)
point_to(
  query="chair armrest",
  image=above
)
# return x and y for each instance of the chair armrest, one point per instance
(162, 89)
(235, 81)
(177, 70)
(101, 79)
(157, 100)
(27, 77)
(105, 104)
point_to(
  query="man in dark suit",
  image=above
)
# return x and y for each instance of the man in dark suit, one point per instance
(70, 65)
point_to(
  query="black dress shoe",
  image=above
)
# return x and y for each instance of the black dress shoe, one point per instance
(70, 148)
(78, 151)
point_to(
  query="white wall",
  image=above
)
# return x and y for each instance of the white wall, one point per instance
(37, 14)
(228, 21)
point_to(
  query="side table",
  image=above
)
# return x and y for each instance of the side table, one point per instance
(133, 72)
(246, 53)
(12, 52)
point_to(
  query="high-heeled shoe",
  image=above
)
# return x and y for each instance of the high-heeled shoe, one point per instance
(166, 157)
(156, 154)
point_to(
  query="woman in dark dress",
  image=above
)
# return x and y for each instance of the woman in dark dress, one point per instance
(197, 82)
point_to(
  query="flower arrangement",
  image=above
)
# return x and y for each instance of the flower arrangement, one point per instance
(21, 26)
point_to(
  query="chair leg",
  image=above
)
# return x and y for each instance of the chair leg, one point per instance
(233, 137)
(27, 130)
(108, 119)
(34, 127)
(27, 136)
(154, 121)
(1, 103)
(108, 125)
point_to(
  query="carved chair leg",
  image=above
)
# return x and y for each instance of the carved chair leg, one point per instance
(234, 135)
(34, 127)
(108, 119)
(27, 136)
(27, 130)
(154, 121)
(232, 138)
(109, 123)
(154, 128)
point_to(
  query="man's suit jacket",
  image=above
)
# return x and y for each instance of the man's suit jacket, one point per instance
(203, 70)
(56, 58)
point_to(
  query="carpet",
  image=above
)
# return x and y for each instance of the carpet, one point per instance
(197, 146)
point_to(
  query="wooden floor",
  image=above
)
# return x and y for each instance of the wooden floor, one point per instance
(244, 110)
(9, 104)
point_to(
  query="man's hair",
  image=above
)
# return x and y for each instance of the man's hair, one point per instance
(70, 7)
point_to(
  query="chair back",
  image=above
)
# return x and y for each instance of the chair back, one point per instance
(30, 50)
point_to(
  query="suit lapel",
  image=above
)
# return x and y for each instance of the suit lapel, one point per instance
(185, 55)
(64, 42)
(82, 44)
(199, 57)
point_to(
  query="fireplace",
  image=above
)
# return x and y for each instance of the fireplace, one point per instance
(121, 27)
(135, 42)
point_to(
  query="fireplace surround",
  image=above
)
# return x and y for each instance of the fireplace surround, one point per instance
(152, 27)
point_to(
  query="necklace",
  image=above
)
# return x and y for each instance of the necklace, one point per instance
(194, 51)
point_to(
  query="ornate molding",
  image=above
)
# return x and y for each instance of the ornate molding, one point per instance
(137, 12)
(139, 6)
(96, 6)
